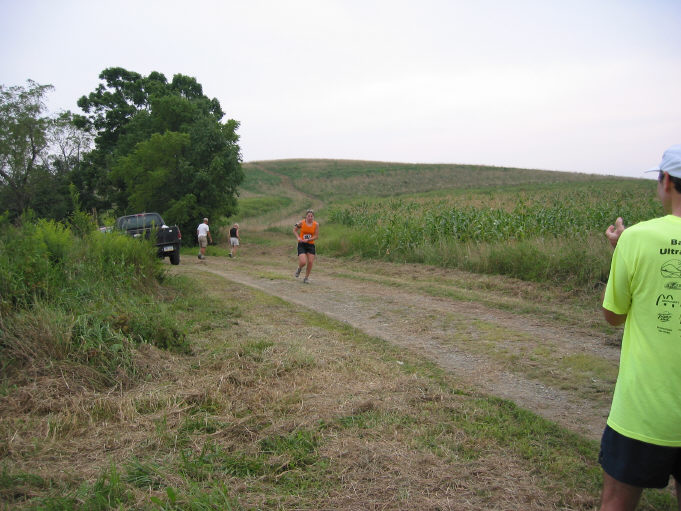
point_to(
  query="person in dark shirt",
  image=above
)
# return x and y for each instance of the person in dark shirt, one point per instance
(233, 240)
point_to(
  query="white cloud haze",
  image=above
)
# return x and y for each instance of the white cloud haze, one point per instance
(587, 86)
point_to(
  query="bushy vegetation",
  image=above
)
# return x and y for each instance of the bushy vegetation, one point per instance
(80, 300)
(546, 233)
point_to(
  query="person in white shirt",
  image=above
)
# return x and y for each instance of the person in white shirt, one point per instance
(203, 234)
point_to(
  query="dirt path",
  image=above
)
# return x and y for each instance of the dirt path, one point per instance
(461, 335)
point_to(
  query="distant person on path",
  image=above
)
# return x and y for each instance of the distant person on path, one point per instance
(203, 234)
(233, 240)
(306, 231)
(641, 444)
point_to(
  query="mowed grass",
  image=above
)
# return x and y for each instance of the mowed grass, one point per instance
(281, 408)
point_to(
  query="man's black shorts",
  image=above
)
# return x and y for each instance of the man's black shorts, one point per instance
(306, 248)
(638, 463)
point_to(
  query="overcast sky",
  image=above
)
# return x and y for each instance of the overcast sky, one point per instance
(579, 85)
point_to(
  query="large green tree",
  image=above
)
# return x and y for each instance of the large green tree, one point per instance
(159, 146)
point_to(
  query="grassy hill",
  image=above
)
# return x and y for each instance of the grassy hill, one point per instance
(334, 180)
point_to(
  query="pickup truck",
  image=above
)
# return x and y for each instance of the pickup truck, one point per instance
(143, 225)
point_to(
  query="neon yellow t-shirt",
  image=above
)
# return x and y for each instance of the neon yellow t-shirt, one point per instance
(645, 284)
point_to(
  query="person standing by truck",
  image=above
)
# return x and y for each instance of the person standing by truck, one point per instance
(203, 234)
(306, 231)
(233, 240)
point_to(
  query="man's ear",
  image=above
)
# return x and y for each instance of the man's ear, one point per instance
(667, 183)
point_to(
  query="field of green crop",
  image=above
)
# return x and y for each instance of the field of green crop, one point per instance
(499, 216)
(541, 232)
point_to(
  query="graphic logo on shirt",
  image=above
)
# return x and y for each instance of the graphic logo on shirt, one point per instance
(666, 301)
(671, 269)
(664, 316)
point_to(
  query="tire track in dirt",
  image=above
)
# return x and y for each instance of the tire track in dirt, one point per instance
(426, 325)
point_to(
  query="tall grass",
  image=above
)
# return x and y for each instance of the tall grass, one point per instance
(84, 300)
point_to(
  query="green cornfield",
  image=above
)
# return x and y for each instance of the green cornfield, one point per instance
(545, 233)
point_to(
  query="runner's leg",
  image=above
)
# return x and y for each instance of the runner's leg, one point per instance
(310, 262)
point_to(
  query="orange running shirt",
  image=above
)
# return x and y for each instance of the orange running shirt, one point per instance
(307, 231)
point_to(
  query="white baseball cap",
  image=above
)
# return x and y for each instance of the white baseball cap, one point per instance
(671, 162)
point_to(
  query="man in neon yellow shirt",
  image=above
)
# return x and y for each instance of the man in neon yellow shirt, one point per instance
(641, 444)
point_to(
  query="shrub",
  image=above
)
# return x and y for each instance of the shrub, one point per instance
(27, 265)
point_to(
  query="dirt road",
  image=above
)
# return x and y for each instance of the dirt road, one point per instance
(499, 344)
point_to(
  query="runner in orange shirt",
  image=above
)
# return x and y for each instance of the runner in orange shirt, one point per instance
(307, 231)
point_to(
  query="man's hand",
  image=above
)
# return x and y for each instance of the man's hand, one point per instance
(614, 232)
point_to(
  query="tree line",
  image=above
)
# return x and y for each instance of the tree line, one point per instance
(141, 143)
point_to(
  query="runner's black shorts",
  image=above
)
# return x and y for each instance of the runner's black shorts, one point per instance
(306, 248)
(638, 463)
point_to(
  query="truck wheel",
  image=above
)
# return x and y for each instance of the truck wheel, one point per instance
(175, 256)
